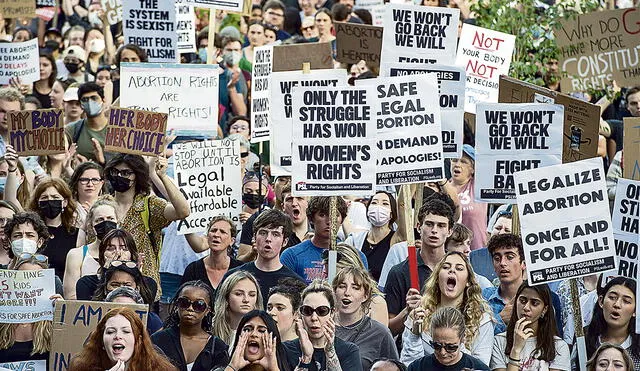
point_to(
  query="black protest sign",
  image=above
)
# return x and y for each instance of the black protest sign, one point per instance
(356, 42)
(566, 226)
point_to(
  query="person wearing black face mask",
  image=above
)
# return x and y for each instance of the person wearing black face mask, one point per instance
(53, 201)
(252, 195)
(83, 261)
(140, 213)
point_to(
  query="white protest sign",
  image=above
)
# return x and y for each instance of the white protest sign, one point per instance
(451, 81)
(485, 55)
(19, 60)
(208, 175)
(151, 24)
(565, 221)
(375, 7)
(420, 34)
(408, 125)
(232, 5)
(187, 92)
(35, 365)
(112, 10)
(261, 93)
(334, 136)
(185, 25)
(626, 227)
(512, 137)
(282, 84)
(24, 295)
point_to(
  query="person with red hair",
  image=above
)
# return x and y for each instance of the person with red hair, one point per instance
(120, 343)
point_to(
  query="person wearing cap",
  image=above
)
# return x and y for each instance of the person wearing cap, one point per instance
(474, 214)
(74, 58)
(71, 104)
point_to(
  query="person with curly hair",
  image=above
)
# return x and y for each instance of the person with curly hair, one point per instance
(119, 342)
(186, 338)
(283, 304)
(452, 284)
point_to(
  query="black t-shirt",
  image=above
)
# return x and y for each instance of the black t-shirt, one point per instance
(197, 271)
(431, 363)
(58, 246)
(348, 355)
(266, 280)
(215, 353)
(87, 285)
(399, 282)
(376, 254)
(247, 230)
(21, 351)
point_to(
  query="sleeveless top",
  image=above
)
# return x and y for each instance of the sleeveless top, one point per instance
(89, 263)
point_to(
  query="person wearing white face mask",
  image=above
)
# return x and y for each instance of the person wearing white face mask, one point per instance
(27, 234)
(382, 212)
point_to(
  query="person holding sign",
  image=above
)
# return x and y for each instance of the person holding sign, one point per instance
(316, 341)
(614, 319)
(531, 341)
(89, 133)
(186, 339)
(120, 343)
(452, 283)
(140, 213)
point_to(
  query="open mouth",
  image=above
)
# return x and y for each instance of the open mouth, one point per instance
(315, 329)
(457, 171)
(118, 349)
(253, 347)
(346, 302)
(296, 213)
(451, 283)
(615, 315)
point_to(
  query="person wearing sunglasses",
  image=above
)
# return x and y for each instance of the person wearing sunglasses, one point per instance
(187, 339)
(531, 341)
(354, 289)
(257, 345)
(131, 178)
(448, 328)
(236, 296)
(452, 284)
(317, 343)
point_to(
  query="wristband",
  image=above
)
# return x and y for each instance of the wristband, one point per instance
(514, 359)
(231, 367)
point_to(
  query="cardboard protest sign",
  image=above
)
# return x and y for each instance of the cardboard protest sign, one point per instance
(407, 118)
(451, 82)
(581, 119)
(485, 55)
(18, 8)
(185, 25)
(37, 132)
(375, 7)
(565, 221)
(39, 365)
(19, 60)
(599, 47)
(261, 93)
(112, 10)
(420, 34)
(136, 132)
(282, 84)
(356, 42)
(208, 175)
(291, 57)
(514, 137)
(231, 5)
(24, 295)
(631, 153)
(151, 24)
(334, 140)
(626, 227)
(187, 92)
(73, 322)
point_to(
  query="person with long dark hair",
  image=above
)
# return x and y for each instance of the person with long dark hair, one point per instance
(48, 73)
(614, 319)
(258, 346)
(531, 341)
(186, 338)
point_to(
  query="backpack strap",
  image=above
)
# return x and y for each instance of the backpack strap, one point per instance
(85, 249)
(145, 214)
(77, 129)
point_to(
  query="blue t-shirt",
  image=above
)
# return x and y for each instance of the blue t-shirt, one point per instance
(305, 259)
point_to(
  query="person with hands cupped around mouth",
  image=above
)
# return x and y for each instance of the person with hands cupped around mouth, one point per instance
(317, 347)
(258, 346)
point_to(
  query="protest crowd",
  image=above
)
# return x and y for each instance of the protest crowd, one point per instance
(317, 185)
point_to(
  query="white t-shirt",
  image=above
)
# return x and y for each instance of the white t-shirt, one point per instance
(527, 362)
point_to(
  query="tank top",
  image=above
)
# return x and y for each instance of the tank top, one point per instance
(89, 263)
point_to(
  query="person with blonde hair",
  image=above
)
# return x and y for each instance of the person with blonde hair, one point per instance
(610, 357)
(317, 343)
(354, 289)
(452, 284)
(238, 295)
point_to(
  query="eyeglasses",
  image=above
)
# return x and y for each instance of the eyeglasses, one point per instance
(124, 172)
(198, 305)
(308, 28)
(86, 181)
(4, 221)
(244, 154)
(126, 263)
(449, 348)
(322, 310)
